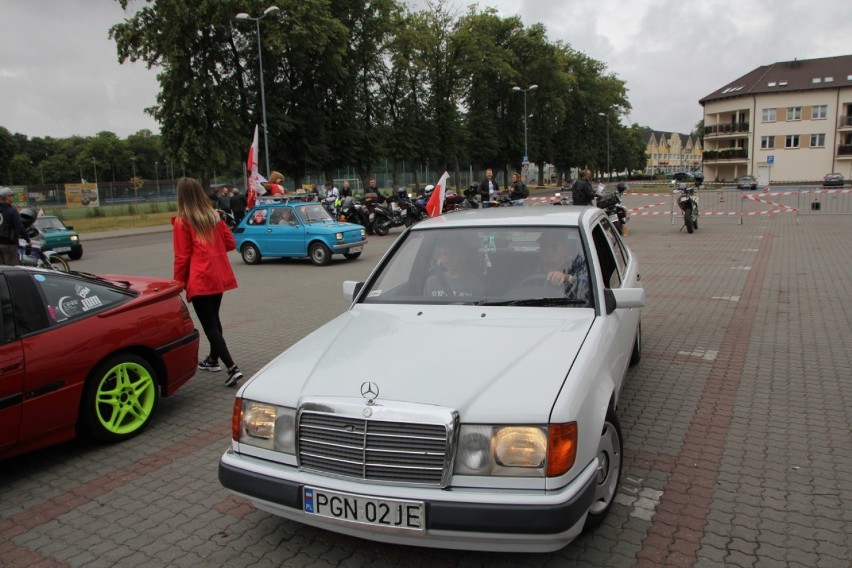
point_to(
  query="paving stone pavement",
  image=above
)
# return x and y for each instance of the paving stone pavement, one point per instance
(737, 421)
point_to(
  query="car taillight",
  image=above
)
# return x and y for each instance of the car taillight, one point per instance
(184, 310)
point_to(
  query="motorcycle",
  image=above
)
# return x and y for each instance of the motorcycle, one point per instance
(39, 257)
(688, 203)
(412, 211)
(352, 212)
(471, 197)
(384, 218)
(616, 212)
(559, 199)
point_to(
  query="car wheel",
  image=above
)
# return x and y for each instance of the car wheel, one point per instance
(608, 477)
(75, 254)
(636, 355)
(119, 398)
(320, 255)
(351, 255)
(250, 254)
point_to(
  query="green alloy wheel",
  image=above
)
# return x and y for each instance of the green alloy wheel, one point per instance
(120, 398)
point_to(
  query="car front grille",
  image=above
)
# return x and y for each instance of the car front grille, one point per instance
(374, 450)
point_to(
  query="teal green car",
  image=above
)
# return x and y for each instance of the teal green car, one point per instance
(58, 237)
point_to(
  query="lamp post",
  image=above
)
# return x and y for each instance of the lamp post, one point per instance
(133, 162)
(96, 171)
(607, 142)
(244, 16)
(524, 91)
(157, 173)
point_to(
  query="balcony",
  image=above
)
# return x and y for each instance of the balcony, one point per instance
(844, 151)
(725, 129)
(844, 123)
(726, 155)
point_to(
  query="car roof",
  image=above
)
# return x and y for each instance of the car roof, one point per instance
(561, 216)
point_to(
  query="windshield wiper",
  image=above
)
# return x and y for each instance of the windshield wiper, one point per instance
(125, 283)
(545, 302)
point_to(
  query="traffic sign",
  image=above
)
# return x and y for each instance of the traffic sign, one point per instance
(770, 160)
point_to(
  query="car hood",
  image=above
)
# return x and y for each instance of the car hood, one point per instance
(473, 359)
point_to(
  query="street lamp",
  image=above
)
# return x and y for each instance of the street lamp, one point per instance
(244, 16)
(96, 171)
(607, 143)
(133, 161)
(524, 91)
(157, 173)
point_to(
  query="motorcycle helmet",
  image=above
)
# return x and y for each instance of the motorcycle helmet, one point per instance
(428, 189)
(621, 187)
(28, 217)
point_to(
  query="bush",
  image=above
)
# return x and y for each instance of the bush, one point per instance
(95, 212)
(154, 207)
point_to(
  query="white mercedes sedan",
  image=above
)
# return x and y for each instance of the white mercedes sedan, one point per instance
(466, 399)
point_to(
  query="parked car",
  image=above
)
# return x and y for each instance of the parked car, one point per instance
(466, 399)
(747, 182)
(59, 237)
(87, 354)
(833, 180)
(295, 228)
(681, 176)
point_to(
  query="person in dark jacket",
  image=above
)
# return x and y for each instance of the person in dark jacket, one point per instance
(238, 205)
(11, 229)
(519, 188)
(582, 192)
(488, 188)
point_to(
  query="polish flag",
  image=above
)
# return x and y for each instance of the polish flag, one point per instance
(435, 205)
(254, 187)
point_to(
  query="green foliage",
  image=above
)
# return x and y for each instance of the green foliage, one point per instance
(95, 212)
(154, 207)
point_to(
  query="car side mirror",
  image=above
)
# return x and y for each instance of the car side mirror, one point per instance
(351, 289)
(623, 298)
(69, 227)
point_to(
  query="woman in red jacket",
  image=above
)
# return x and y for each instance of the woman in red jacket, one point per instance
(201, 243)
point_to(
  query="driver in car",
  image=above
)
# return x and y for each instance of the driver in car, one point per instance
(563, 263)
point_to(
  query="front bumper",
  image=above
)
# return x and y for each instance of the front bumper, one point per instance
(343, 247)
(458, 518)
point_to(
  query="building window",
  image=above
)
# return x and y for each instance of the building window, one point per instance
(769, 115)
(817, 140)
(767, 142)
(794, 113)
(819, 112)
(792, 141)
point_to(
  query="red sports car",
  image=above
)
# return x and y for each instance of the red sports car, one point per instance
(89, 354)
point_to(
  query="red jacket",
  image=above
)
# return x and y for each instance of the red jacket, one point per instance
(203, 268)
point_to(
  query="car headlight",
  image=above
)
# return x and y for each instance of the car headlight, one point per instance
(264, 425)
(516, 451)
(74, 238)
(338, 236)
(363, 233)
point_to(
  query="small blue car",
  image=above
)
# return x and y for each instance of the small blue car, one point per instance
(294, 228)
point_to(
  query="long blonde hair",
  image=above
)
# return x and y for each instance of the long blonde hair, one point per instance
(195, 208)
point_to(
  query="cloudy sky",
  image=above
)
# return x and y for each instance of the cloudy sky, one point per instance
(59, 75)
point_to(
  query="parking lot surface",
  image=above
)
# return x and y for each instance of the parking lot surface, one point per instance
(737, 421)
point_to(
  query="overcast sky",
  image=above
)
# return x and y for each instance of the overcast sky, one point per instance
(59, 74)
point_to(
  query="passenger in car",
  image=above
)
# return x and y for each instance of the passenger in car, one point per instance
(455, 273)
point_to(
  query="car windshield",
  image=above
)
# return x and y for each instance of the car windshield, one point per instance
(48, 224)
(486, 266)
(314, 213)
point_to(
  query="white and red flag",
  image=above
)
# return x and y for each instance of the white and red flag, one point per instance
(254, 187)
(435, 205)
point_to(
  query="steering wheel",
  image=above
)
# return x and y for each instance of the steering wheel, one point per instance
(535, 280)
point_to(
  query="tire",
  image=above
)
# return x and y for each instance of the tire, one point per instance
(58, 263)
(250, 254)
(320, 254)
(636, 355)
(351, 255)
(76, 254)
(381, 228)
(695, 221)
(610, 454)
(119, 398)
(687, 221)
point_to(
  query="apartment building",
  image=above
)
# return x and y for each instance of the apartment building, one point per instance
(785, 122)
(670, 152)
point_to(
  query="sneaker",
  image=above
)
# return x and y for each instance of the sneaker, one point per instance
(209, 365)
(234, 375)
